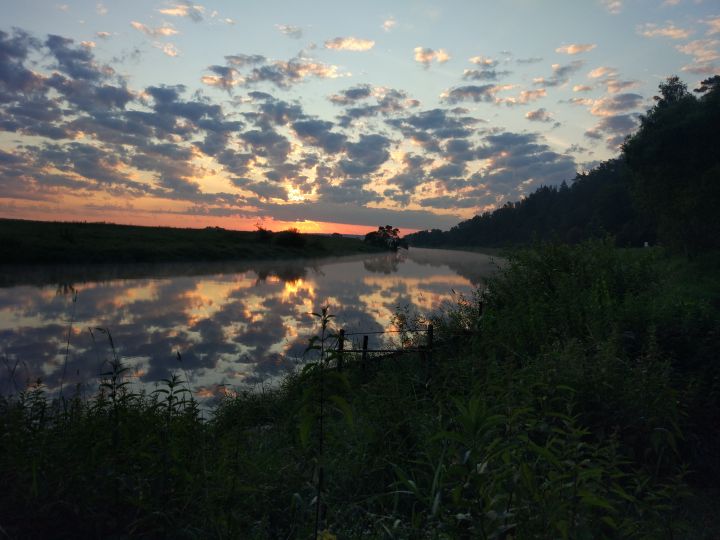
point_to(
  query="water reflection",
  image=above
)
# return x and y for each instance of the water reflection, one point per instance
(233, 323)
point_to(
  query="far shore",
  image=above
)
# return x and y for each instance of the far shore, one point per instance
(24, 242)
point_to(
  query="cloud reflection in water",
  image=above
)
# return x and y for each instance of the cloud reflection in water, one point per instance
(233, 324)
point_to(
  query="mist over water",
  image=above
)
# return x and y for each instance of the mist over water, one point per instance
(234, 324)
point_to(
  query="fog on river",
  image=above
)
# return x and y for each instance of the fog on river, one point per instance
(234, 324)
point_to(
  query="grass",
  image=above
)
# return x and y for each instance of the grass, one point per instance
(33, 242)
(566, 412)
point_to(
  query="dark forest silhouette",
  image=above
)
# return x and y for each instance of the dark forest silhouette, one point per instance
(662, 187)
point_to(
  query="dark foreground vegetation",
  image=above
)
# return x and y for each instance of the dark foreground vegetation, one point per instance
(583, 403)
(31, 242)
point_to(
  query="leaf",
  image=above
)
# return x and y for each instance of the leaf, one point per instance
(344, 406)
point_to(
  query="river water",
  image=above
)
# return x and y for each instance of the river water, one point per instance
(234, 324)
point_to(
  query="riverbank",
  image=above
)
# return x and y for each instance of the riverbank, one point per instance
(582, 403)
(41, 242)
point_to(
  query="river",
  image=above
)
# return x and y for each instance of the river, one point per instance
(235, 325)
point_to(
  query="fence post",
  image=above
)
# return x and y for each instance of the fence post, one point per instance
(429, 346)
(364, 354)
(341, 348)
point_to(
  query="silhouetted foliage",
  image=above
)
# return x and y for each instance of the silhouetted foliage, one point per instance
(595, 204)
(387, 236)
(665, 184)
(291, 238)
(675, 165)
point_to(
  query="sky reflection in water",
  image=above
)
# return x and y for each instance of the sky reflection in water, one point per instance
(234, 324)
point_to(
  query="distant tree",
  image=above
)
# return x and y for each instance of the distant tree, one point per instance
(387, 236)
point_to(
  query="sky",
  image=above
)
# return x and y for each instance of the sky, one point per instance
(324, 116)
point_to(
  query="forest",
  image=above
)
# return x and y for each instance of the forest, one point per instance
(663, 187)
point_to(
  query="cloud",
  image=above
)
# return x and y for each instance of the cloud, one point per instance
(526, 96)
(388, 24)
(185, 9)
(349, 44)
(602, 71)
(539, 115)
(103, 35)
(615, 128)
(317, 133)
(100, 9)
(609, 106)
(575, 48)
(484, 74)
(168, 49)
(582, 88)
(713, 25)
(520, 162)
(615, 85)
(78, 62)
(158, 32)
(484, 93)
(671, 31)
(289, 30)
(366, 155)
(223, 77)
(530, 60)
(704, 53)
(484, 61)
(352, 95)
(614, 7)
(426, 56)
(560, 74)
(282, 74)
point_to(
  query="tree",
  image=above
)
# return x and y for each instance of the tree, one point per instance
(672, 91)
(387, 236)
(675, 165)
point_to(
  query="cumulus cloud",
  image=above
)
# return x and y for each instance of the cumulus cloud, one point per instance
(484, 74)
(352, 95)
(713, 24)
(103, 35)
(349, 44)
(615, 128)
(560, 74)
(704, 53)
(576, 48)
(609, 106)
(520, 161)
(426, 56)
(539, 115)
(254, 69)
(482, 93)
(526, 96)
(582, 88)
(289, 30)
(529, 60)
(389, 23)
(185, 9)
(168, 49)
(158, 32)
(484, 61)
(602, 71)
(614, 7)
(671, 31)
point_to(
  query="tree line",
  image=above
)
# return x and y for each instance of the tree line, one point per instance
(663, 187)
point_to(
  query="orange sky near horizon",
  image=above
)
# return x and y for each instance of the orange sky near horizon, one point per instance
(160, 219)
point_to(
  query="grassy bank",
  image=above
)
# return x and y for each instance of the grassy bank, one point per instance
(582, 404)
(32, 242)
